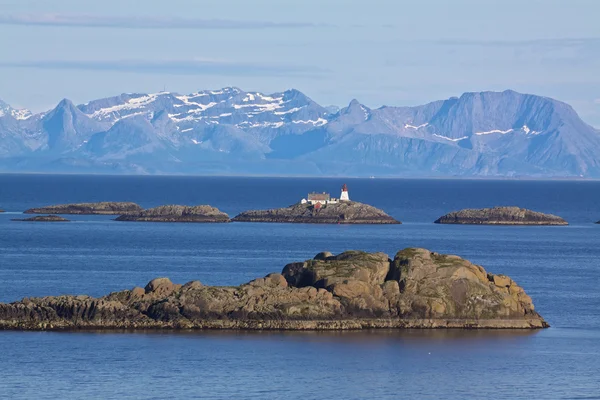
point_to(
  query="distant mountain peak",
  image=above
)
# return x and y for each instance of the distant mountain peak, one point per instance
(16, 113)
(357, 111)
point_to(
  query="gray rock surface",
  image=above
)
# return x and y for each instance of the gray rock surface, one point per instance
(500, 216)
(351, 290)
(105, 208)
(175, 213)
(346, 212)
(43, 218)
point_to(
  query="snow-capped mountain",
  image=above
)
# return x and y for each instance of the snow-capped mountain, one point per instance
(237, 132)
(19, 114)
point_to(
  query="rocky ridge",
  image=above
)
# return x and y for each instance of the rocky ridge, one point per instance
(344, 212)
(104, 208)
(176, 213)
(500, 216)
(352, 290)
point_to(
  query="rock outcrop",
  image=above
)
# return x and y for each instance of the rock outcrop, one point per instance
(500, 216)
(176, 213)
(43, 218)
(104, 208)
(352, 290)
(344, 212)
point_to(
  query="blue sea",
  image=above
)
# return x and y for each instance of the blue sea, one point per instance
(558, 266)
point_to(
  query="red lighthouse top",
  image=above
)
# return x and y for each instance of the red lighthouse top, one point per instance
(344, 188)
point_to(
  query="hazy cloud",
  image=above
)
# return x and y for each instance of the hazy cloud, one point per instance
(558, 42)
(176, 67)
(137, 22)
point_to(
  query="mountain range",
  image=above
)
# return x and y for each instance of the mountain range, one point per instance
(230, 131)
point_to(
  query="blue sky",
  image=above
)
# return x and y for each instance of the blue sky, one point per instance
(381, 52)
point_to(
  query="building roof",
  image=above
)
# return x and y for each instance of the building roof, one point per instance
(319, 196)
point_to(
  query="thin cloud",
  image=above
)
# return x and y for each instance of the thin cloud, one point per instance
(543, 43)
(175, 67)
(137, 22)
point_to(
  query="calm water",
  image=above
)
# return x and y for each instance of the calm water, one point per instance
(558, 266)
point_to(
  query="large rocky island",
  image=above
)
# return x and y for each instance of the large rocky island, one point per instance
(344, 212)
(175, 213)
(104, 208)
(500, 216)
(352, 290)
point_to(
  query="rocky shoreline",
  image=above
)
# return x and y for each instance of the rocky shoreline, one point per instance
(176, 213)
(500, 216)
(351, 290)
(42, 218)
(100, 208)
(345, 212)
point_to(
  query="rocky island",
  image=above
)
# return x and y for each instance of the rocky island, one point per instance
(500, 216)
(347, 212)
(175, 213)
(103, 208)
(351, 290)
(321, 208)
(43, 218)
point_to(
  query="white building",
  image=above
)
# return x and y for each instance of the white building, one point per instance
(344, 196)
(321, 198)
(325, 198)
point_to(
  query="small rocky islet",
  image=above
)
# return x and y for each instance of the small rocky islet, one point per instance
(346, 212)
(351, 290)
(99, 208)
(177, 213)
(500, 216)
(42, 218)
(321, 208)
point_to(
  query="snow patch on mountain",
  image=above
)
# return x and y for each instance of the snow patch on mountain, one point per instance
(247, 124)
(20, 114)
(528, 131)
(449, 138)
(408, 126)
(318, 122)
(494, 131)
(366, 111)
(131, 104)
(290, 111)
(524, 128)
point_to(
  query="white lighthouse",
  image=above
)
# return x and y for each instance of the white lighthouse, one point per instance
(344, 196)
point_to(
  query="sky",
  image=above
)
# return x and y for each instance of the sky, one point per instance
(394, 52)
